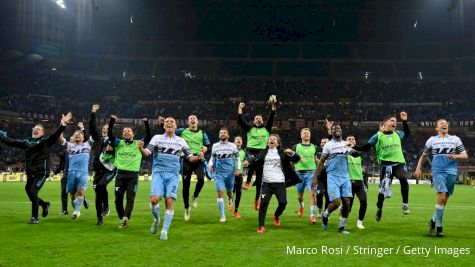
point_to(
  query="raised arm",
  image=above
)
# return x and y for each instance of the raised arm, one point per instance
(110, 131)
(241, 121)
(148, 132)
(11, 142)
(93, 123)
(403, 117)
(161, 124)
(366, 147)
(270, 120)
(61, 139)
(328, 126)
(83, 130)
(54, 137)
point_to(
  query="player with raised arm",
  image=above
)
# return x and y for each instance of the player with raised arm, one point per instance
(37, 162)
(78, 152)
(127, 159)
(198, 142)
(104, 172)
(257, 136)
(388, 144)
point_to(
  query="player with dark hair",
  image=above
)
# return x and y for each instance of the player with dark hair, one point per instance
(127, 159)
(336, 151)
(278, 173)
(239, 178)
(387, 143)
(37, 162)
(104, 172)
(445, 149)
(321, 188)
(226, 165)
(78, 153)
(63, 166)
(257, 136)
(198, 142)
(358, 186)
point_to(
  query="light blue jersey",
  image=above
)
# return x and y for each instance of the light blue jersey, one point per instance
(166, 152)
(78, 155)
(225, 160)
(440, 148)
(78, 165)
(337, 153)
(225, 157)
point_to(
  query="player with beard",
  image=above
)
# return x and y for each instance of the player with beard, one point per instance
(257, 136)
(226, 165)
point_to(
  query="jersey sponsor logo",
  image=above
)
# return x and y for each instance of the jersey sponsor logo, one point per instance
(446, 150)
(258, 137)
(126, 154)
(390, 146)
(272, 162)
(84, 150)
(193, 142)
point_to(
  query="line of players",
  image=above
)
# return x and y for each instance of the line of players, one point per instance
(337, 175)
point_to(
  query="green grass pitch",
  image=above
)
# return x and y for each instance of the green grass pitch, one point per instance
(203, 241)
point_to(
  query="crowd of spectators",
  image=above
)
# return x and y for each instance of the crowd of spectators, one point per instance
(56, 93)
(218, 99)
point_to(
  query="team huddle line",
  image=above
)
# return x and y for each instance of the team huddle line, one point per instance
(334, 174)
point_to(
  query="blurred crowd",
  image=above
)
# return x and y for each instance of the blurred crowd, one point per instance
(56, 93)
